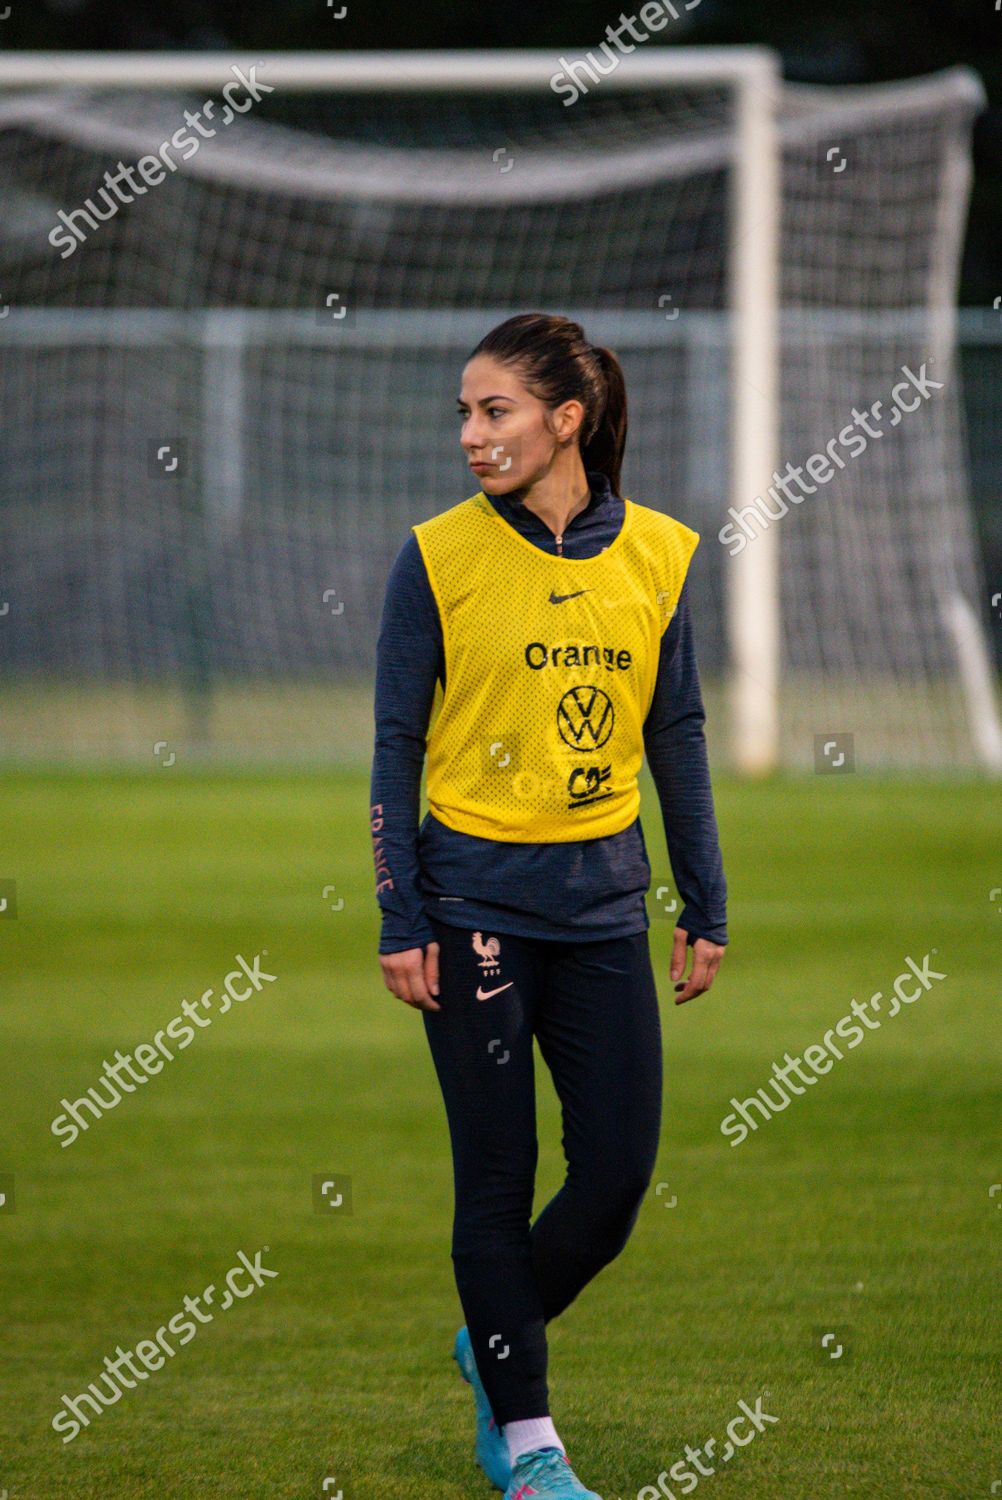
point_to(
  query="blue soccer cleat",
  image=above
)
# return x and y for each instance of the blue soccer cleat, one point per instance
(546, 1472)
(491, 1448)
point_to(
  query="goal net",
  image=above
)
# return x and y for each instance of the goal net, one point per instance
(227, 399)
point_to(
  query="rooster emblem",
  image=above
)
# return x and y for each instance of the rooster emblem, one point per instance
(489, 953)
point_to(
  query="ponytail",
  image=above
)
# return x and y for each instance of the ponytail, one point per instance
(558, 364)
(604, 449)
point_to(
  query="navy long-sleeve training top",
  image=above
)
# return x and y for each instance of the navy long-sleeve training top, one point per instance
(584, 890)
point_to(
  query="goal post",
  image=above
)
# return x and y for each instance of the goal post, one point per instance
(688, 177)
(752, 599)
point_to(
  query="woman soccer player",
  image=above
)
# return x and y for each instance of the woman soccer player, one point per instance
(551, 612)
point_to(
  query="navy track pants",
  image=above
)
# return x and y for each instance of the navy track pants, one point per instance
(593, 1007)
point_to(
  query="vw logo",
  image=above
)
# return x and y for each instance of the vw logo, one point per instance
(585, 717)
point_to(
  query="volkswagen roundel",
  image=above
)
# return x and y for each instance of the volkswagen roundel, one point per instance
(585, 717)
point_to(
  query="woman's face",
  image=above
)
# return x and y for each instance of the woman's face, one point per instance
(509, 436)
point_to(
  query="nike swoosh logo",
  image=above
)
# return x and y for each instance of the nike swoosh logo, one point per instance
(482, 996)
(562, 598)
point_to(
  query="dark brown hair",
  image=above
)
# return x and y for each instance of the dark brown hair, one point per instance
(557, 363)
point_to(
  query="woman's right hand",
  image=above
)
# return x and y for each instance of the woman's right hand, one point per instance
(413, 975)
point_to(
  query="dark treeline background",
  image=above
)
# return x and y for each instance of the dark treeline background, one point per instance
(821, 41)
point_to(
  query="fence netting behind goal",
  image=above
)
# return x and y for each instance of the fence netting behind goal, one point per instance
(226, 402)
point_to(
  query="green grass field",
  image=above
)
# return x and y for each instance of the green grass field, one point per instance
(865, 1208)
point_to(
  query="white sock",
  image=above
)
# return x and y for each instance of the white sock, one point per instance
(535, 1432)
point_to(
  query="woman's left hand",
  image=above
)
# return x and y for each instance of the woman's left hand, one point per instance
(706, 957)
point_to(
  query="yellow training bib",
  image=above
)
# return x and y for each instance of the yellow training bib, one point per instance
(550, 666)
